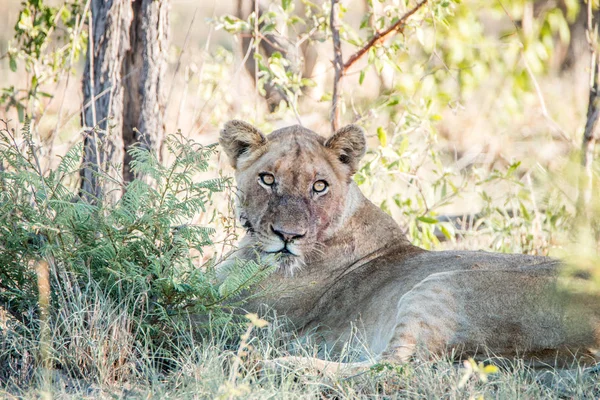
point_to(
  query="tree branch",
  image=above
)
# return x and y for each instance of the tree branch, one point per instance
(397, 27)
(341, 67)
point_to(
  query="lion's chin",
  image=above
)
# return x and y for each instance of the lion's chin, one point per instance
(290, 264)
(286, 262)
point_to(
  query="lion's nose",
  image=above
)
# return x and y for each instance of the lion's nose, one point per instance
(286, 236)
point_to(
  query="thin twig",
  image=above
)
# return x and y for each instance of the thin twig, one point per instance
(536, 85)
(538, 234)
(231, 82)
(540, 96)
(80, 22)
(187, 78)
(256, 43)
(91, 56)
(178, 66)
(93, 100)
(338, 64)
(94, 139)
(205, 55)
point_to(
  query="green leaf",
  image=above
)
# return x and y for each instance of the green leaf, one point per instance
(268, 27)
(513, 167)
(427, 220)
(278, 70)
(65, 14)
(361, 77)
(12, 63)
(21, 112)
(404, 144)
(325, 97)
(307, 82)
(285, 4)
(294, 19)
(524, 211)
(393, 101)
(382, 136)
(447, 231)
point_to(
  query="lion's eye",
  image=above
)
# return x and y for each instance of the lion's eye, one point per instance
(320, 186)
(267, 179)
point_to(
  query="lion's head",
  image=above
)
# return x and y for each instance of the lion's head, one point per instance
(292, 186)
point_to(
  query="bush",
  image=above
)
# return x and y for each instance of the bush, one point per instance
(131, 269)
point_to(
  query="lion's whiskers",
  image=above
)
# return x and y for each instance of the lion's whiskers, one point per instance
(317, 252)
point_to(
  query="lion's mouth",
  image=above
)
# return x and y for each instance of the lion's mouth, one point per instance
(277, 247)
(287, 256)
(285, 251)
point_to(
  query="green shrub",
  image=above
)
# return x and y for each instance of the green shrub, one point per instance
(141, 255)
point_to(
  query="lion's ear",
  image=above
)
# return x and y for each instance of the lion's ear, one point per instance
(239, 138)
(349, 144)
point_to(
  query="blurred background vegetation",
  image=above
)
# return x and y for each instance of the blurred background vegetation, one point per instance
(476, 112)
(467, 92)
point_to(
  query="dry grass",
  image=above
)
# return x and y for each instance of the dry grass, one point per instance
(92, 342)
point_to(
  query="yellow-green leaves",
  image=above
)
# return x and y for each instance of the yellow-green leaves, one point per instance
(478, 370)
(382, 136)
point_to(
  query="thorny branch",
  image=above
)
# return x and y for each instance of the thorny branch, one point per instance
(341, 67)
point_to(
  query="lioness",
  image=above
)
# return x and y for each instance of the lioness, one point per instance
(343, 261)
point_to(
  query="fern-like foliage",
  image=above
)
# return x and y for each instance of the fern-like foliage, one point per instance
(144, 247)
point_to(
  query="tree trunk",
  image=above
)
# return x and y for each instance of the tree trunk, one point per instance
(102, 116)
(591, 133)
(576, 54)
(145, 68)
(123, 91)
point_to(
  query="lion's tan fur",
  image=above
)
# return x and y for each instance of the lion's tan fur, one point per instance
(354, 266)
